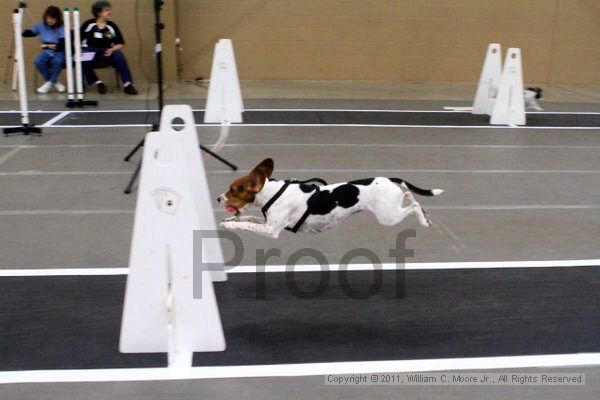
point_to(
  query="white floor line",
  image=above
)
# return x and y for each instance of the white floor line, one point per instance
(53, 120)
(375, 145)
(518, 207)
(351, 126)
(61, 173)
(74, 146)
(442, 171)
(64, 272)
(349, 110)
(5, 157)
(107, 126)
(244, 269)
(31, 112)
(315, 171)
(477, 146)
(220, 211)
(305, 369)
(65, 212)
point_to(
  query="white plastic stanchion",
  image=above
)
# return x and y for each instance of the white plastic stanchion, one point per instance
(15, 77)
(26, 128)
(22, 83)
(77, 40)
(509, 107)
(489, 80)
(69, 56)
(160, 313)
(224, 102)
(74, 83)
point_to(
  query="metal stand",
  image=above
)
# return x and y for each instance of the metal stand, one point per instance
(26, 127)
(134, 177)
(80, 102)
(158, 27)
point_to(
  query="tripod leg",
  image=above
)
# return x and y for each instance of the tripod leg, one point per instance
(135, 149)
(218, 157)
(133, 179)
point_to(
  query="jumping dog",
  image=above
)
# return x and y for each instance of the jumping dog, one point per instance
(309, 208)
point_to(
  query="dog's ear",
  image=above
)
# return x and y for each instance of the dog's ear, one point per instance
(257, 180)
(266, 167)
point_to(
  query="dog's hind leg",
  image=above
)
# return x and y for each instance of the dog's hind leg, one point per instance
(393, 212)
(409, 200)
(394, 218)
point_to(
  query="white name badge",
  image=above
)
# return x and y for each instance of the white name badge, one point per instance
(98, 35)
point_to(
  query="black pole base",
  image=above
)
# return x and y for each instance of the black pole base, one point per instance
(129, 187)
(81, 103)
(132, 152)
(25, 129)
(136, 173)
(218, 157)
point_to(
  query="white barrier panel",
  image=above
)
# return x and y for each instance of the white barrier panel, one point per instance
(509, 108)
(489, 80)
(224, 102)
(160, 313)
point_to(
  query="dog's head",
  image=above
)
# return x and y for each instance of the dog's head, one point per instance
(242, 191)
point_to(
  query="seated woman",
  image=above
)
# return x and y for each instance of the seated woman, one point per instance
(102, 36)
(52, 59)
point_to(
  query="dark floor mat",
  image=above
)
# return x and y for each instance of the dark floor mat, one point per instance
(73, 321)
(14, 119)
(342, 117)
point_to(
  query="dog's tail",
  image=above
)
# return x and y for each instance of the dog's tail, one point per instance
(415, 189)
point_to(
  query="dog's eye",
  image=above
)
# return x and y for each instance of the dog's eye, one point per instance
(240, 188)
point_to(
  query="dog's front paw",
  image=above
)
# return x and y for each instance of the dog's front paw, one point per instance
(227, 225)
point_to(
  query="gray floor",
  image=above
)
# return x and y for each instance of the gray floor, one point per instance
(297, 389)
(510, 195)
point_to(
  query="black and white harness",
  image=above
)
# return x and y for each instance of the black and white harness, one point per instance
(311, 201)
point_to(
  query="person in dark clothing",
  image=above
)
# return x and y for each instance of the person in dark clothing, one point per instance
(52, 59)
(101, 36)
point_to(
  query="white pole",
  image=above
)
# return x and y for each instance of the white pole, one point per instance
(77, 39)
(15, 78)
(69, 55)
(17, 21)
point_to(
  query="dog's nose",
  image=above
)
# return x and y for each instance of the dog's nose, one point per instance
(219, 199)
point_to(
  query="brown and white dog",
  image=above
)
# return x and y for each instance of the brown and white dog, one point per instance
(314, 209)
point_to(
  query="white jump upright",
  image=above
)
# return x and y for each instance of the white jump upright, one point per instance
(509, 107)
(74, 83)
(15, 77)
(26, 127)
(224, 102)
(489, 80)
(160, 313)
(69, 57)
(500, 91)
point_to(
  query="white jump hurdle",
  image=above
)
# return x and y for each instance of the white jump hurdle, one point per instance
(77, 82)
(500, 90)
(509, 107)
(489, 80)
(224, 102)
(15, 76)
(160, 313)
(26, 126)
